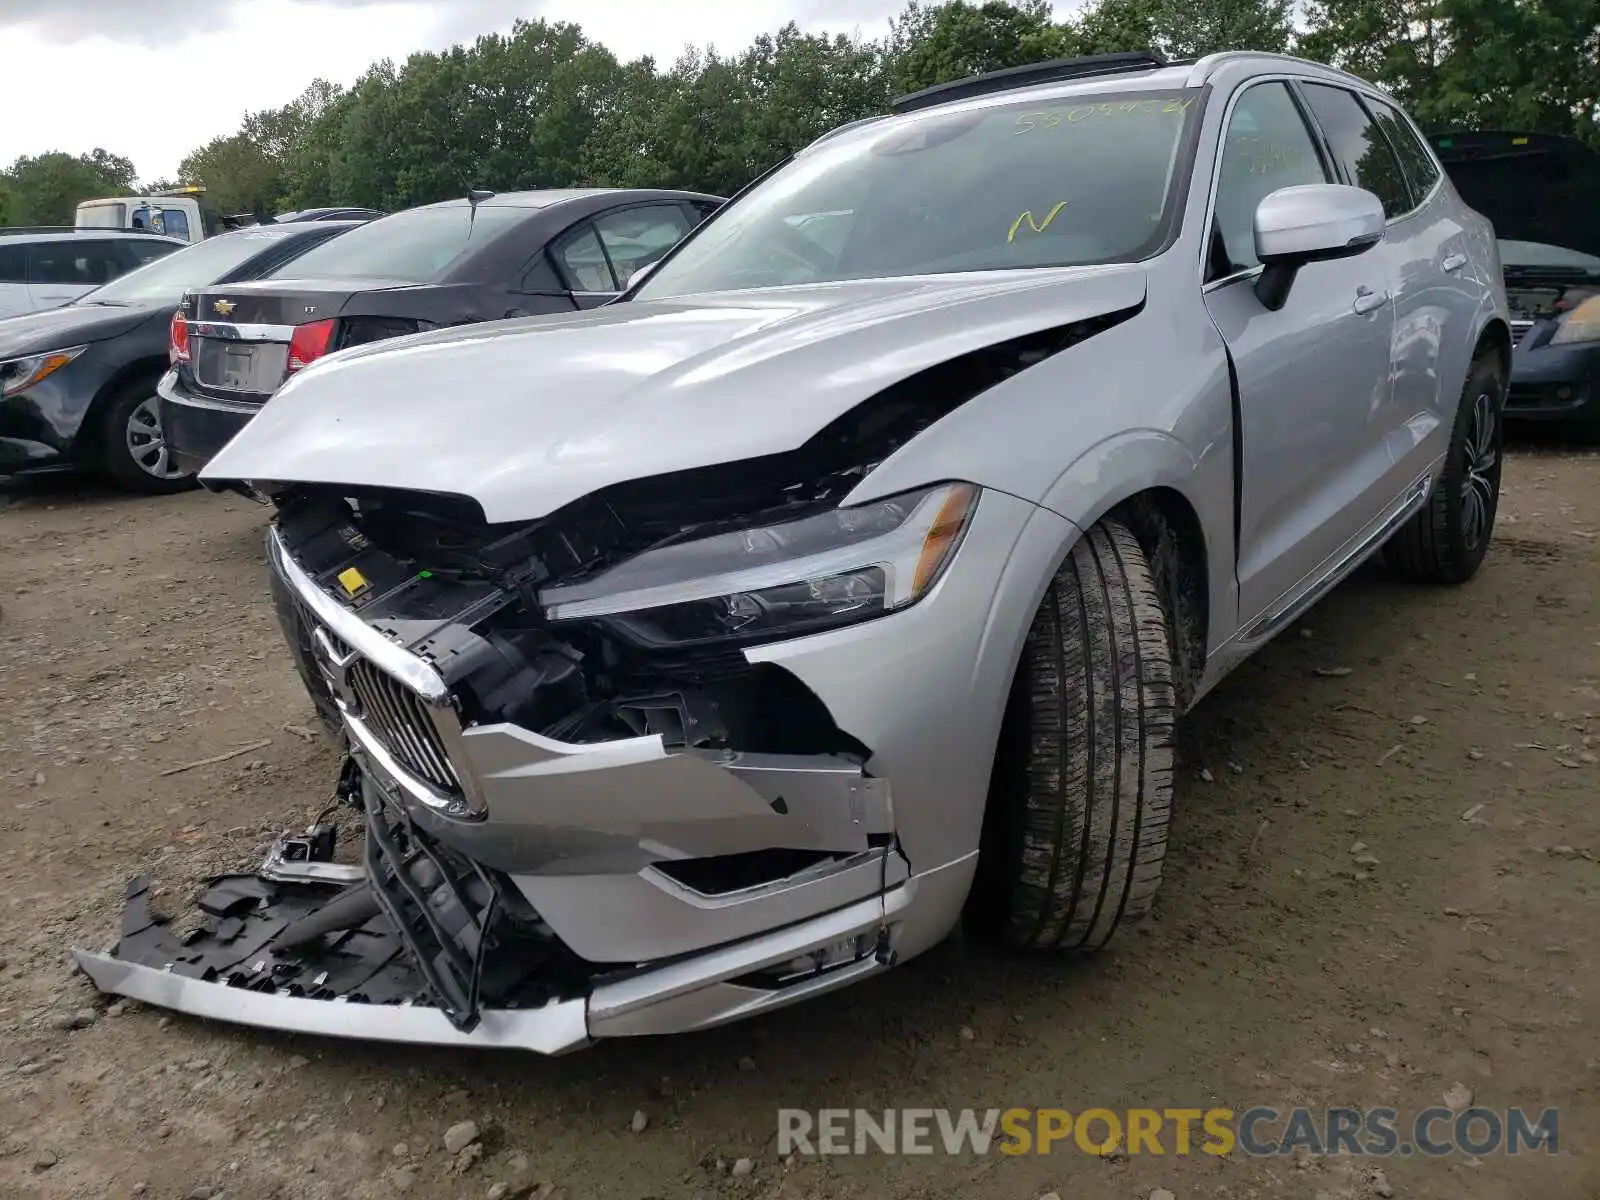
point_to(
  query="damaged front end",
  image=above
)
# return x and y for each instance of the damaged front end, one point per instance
(584, 810)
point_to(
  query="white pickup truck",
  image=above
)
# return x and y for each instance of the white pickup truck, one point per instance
(180, 213)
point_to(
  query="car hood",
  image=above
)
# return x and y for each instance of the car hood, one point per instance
(1533, 187)
(58, 328)
(525, 416)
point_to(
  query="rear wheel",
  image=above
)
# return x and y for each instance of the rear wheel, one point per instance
(1075, 831)
(1445, 542)
(133, 446)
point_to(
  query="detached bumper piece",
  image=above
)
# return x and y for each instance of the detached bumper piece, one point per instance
(423, 945)
(425, 929)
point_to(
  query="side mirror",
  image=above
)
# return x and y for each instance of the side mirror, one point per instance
(1311, 222)
(638, 274)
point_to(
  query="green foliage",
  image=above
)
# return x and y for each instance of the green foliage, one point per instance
(1464, 64)
(46, 189)
(545, 106)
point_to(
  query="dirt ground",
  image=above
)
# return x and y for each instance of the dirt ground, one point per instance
(136, 636)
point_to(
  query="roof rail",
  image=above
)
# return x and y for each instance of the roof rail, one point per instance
(102, 230)
(1029, 74)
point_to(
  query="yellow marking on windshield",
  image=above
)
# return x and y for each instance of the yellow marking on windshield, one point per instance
(1039, 227)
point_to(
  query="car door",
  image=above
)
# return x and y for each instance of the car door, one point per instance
(15, 297)
(1312, 376)
(1425, 253)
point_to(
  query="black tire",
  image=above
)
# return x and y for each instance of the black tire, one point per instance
(134, 403)
(1076, 827)
(1446, 540)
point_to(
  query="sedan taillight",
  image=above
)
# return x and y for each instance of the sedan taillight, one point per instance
(178, 340)
(309, 343)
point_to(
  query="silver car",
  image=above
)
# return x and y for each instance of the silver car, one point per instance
(841, 584)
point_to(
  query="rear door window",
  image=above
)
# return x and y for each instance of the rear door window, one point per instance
(1421, 168)
(637, 237)
(13, 264)
(583, 263)
(1359, 147)
(77, 263)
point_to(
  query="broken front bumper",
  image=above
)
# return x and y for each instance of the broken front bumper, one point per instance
(368, 982)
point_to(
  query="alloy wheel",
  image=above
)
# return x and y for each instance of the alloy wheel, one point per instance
(147, 442)
(1481, 471)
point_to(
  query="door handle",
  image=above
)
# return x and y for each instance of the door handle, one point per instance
(1454, 262)
(1368, 300)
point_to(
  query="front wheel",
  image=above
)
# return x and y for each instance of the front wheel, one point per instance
(1075, 831)
(133, 445)
(1446, 540)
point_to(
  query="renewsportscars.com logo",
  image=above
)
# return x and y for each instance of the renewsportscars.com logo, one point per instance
(1258, 1132)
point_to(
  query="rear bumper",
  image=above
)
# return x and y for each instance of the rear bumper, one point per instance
(197, 427)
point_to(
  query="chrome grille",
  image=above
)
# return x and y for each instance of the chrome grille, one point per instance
(1518, 328)
(399, 718)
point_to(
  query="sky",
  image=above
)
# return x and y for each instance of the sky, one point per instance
(154, 81)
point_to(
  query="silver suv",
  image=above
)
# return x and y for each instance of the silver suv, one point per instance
(842, 584)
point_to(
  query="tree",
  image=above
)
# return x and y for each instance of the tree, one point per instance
(47, 188)
(544, 106)
(938, 43)
(1510, 64)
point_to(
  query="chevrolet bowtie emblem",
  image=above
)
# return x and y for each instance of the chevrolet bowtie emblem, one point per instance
(224, 307)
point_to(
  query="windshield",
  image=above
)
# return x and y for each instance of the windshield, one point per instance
(166, 279)
(1541, 254)
(1083, 179)
(414, 247)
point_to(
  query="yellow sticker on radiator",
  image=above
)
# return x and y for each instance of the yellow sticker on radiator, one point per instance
(353, 582)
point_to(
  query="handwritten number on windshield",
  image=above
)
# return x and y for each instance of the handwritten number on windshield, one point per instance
(1054, 118)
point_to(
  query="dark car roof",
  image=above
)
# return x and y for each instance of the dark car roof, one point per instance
(547, 197)
(545, 215)
(1534, 187)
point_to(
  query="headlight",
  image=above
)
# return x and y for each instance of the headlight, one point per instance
(19, 374)
(841, 566)
(1582, 324)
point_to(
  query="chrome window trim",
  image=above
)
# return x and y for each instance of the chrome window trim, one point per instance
(243, 332)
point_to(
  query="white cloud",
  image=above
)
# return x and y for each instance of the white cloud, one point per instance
(141, 81)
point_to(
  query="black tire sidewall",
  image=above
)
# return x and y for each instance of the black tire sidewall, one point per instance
(1486, 375)
(114, 456)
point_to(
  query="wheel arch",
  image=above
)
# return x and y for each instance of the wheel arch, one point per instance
(86, 442)
(1496, 336)
(1148, 481)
